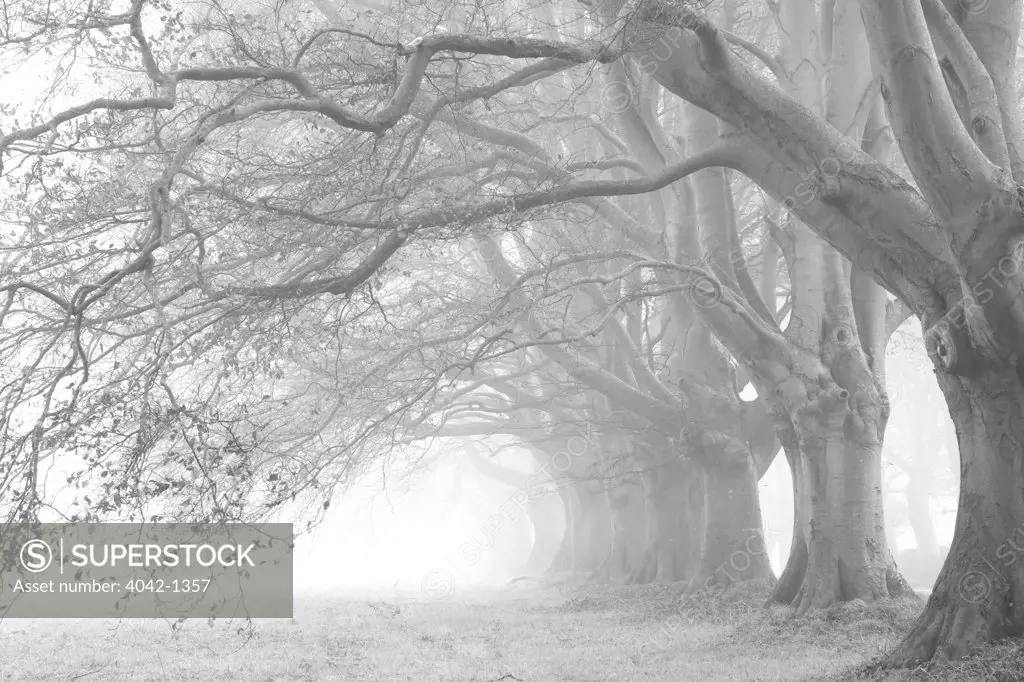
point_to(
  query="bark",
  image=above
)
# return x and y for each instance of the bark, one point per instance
(979, 594)
(824, 375)
(830, 405)
(848, 553)
(868, 212)
(673, 521)
(733, 548)
(759, 433)
(833, 444)
(938, 249)
(969, 176)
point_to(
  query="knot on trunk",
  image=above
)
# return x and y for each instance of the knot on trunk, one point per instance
(950, 348)
(825, 411)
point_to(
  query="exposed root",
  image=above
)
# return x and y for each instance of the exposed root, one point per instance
(952, 627)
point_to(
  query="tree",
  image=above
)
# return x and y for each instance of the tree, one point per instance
(171, 228)
(939, 249)
(945, 240)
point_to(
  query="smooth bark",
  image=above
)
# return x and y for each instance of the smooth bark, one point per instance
(733, 548)
(979, 594)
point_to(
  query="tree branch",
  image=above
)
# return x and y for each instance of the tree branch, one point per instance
(986, 119)
(950, 168)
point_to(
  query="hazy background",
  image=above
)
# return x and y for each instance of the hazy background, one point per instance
(372, 537)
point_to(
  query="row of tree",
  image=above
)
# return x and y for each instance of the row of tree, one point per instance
(654, 243)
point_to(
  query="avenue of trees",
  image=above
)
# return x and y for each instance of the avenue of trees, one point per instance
(254, 250)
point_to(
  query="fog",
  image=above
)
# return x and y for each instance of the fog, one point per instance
(401, 539)
(569, 340)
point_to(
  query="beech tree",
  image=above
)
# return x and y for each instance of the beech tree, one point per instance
(835, 340)
(345, 116)
(629, 369)
(936, 247)
(163, 238)
(947, 81)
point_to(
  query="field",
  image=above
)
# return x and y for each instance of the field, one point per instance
(522, 633)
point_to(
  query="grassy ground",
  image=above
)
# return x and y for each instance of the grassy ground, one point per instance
(528, 634)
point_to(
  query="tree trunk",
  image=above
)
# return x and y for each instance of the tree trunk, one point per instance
(549, 527)
(733, 548)
(628, 528)
(673, 503)
(593, 536)
(843, 530)
(564, 558)
(979, 594)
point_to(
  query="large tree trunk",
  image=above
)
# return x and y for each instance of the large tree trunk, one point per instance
(587, 542)
(941, 250)
(847, 553)
(673, 502)
(733, 548)
(979, 594)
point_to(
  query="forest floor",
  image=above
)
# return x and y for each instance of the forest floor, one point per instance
(526, 633)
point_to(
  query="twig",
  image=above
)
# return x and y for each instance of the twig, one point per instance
(90, 672)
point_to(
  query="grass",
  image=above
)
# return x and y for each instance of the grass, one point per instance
(523, 633)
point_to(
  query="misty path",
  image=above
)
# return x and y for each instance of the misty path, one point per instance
(589, 634)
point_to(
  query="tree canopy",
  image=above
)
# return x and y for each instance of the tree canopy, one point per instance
(253, 250)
